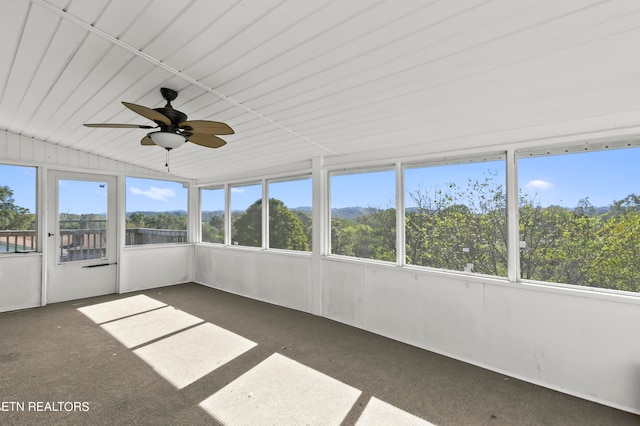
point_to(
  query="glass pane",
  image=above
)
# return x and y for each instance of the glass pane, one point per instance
(156, 212)
(17, 209)
(290, 214)
(82, 220)
(212, 215)
(456, 217)
(246, 215)
(363, 215)
(580, 219)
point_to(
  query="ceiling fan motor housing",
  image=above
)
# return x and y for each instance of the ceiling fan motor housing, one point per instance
(174, 115)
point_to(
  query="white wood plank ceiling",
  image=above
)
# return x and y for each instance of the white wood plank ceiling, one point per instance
(299, 79)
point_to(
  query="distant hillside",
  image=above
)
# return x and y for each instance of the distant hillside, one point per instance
(349, 213)
(150, 213)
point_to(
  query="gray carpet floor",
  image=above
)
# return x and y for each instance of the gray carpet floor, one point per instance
(58, 367)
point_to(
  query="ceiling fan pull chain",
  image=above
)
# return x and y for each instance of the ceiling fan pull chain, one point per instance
(166, 163)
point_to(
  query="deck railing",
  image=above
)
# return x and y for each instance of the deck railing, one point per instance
(17, 241)
(138, 236)
(84, 244)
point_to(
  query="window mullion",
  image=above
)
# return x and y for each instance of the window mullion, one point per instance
(513, 227)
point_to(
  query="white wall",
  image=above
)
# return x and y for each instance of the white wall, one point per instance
(20, 278)
(580, 342)
(280, 278)
(144, 267)
(576, 341)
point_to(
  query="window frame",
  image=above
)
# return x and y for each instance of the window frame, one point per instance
(230, 222)
(561, 150)
(187, 209)
(461, 160)
(344, 171)
(225, 213)
(37, 202)
(291, 178)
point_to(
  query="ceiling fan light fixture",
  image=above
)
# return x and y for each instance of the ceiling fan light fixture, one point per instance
(167, 140)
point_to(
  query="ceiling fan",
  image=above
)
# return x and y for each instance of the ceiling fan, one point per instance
(174, 129)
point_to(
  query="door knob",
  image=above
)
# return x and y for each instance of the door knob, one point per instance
(50, 234)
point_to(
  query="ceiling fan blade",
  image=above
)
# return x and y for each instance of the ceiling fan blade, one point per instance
(121, 126)
(202, 126)
(149, 113)
(146, 141)
(210, 141)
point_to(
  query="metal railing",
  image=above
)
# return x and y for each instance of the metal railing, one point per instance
(139, 236)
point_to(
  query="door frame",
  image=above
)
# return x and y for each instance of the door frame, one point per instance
(107, 270)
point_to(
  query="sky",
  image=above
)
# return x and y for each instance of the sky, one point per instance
(602, 176)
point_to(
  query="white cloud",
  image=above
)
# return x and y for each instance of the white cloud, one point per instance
(160, 194)
(539, 184)
(238, 190)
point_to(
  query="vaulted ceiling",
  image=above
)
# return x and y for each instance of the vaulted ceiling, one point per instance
(298, 79)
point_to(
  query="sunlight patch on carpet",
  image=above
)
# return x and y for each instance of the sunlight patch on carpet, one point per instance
(191, 354)
(281, 391)
(378, 412)
(142, 328)
(116, 309)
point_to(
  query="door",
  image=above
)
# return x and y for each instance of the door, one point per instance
(81, 236)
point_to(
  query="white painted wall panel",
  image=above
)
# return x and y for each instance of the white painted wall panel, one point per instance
(285, 279)
(155, 266)
(23, 149)
(575, 341)
(232, 270)
(20, 277)
(343, 292)
(571, 340)
(280, 278)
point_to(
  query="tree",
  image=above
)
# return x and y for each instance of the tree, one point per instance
(13, 217)
(213, 231)
(459, 227)
(157, 221)
(286, 230)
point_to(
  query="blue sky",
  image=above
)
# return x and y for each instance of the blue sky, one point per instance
(603, 176)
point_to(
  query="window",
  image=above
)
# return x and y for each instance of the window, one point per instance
(580, 218)
(290, 214)
(212, 215)
(156, 212)
(17, 209)
(363, 215)
(246, 215)
(82, 220)
(455, 216)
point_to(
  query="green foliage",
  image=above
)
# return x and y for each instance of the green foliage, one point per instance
(82, 221)
(13, 217)
(369, 236)
(213, 231)
(581, 246)
(286, 229)
(162, 220)
(459, 228)
(465, 228)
